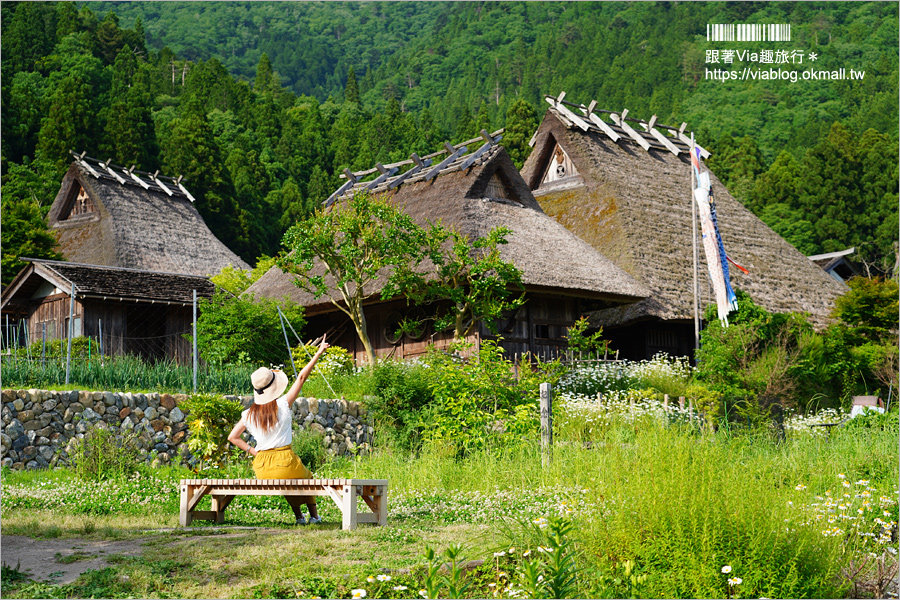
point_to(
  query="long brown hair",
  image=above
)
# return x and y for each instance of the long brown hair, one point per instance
(264, 416)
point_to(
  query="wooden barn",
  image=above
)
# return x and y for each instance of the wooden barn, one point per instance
(136, 247)
(117, 217)
(124, 311)
(475, 192)
(624, 186)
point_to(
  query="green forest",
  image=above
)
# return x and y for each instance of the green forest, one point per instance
(260, 105)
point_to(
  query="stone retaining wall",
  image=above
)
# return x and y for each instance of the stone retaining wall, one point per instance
(39, 426)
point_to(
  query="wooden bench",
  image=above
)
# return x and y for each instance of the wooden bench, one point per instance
(344, 492)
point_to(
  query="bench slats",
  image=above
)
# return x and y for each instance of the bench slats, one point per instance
(344, 493)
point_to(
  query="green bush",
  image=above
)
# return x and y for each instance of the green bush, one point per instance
(244, 330)
(103, 454)
(307, 445)
(210, 419)
(399, 392)
(335, 362)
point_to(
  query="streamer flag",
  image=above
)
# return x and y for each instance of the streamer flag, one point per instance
(716, 259)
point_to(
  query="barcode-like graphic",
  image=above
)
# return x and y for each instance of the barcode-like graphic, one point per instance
(746, 32)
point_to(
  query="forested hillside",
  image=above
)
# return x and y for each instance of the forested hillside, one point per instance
(259, 105)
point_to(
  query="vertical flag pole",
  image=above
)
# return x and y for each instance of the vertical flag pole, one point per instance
(694, 246)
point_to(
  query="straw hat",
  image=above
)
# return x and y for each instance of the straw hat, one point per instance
(267, 384)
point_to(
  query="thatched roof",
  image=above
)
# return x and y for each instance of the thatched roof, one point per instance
(487, 193)
(105, 283)
(634, 206)
(108, 215)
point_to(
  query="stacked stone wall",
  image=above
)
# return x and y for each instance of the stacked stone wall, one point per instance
(39, 427)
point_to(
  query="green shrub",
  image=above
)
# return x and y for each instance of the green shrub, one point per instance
(399, 392)
(307, 445)
(210, 419)
(103, 454)
(335, 361)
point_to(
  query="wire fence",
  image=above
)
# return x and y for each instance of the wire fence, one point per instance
(138, 347)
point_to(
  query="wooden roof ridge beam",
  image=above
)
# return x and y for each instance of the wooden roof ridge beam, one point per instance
(184, 189)
(385, 173)
(140, 181)
(561, 108)
(361, 174)
(419, 165)
(489, 143)
(598, 122)
(454, 153)
(663, 139)
(155, 178)
(80, 160)
(704, 153)
(351, 181)
(107, 167)
(620, 121)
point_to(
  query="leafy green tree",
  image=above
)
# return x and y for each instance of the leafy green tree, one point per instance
(870, 308)
(130, 134)
(341, 252)
(25, 199)
(244, 330)
(351, 91)
(236, 281)
(792, 227)
(471, 280)
(521, 123)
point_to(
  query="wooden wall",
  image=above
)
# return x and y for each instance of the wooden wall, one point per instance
(151, 331)
(538, 327)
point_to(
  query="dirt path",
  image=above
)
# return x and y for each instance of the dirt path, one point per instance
(62, 560)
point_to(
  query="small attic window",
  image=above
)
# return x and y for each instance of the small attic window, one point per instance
(79, 202)
(498, 188)
(559, 167)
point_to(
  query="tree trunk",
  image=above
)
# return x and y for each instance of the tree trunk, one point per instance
(359, 321)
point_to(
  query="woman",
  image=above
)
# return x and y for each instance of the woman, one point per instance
(269, 422)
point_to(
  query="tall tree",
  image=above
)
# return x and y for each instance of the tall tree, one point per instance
(351, 91)
(341, 252)
(521, 123)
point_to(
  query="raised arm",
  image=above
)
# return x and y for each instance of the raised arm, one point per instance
(294, 391)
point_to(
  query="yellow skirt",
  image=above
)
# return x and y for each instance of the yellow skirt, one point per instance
(280, 463)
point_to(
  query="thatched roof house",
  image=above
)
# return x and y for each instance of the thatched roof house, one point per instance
(123, 310)
(624, 186)
(475, 193)
(109, 215)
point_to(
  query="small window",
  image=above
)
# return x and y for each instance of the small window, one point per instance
(542, 332)
(79, 202)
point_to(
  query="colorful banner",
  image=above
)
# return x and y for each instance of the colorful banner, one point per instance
(716, 259)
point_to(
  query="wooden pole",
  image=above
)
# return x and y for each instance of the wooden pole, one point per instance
(546, 425)
(43, 342)
(695, 251)
(71, 329)
(196, 361)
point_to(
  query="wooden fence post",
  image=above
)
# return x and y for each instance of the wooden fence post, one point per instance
(546, 424)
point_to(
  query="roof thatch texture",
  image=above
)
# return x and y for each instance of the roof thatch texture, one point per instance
(634, 206)
(109, 283)
(491, 193)
(133, 227)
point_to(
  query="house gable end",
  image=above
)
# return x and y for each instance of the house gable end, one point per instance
(78, 204)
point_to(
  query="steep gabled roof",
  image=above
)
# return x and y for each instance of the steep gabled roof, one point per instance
(632, 202)
(107, 283)
(488, 192)
(109, 215)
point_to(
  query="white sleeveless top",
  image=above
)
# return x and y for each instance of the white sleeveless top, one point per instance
(280, 434)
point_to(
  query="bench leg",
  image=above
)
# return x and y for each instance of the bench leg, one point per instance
(184, 515)
(219, 504)
(349, 507)
(381, 502)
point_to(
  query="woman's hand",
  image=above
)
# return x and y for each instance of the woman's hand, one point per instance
(323, 346)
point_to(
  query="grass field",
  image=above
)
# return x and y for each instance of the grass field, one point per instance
(647, 508)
